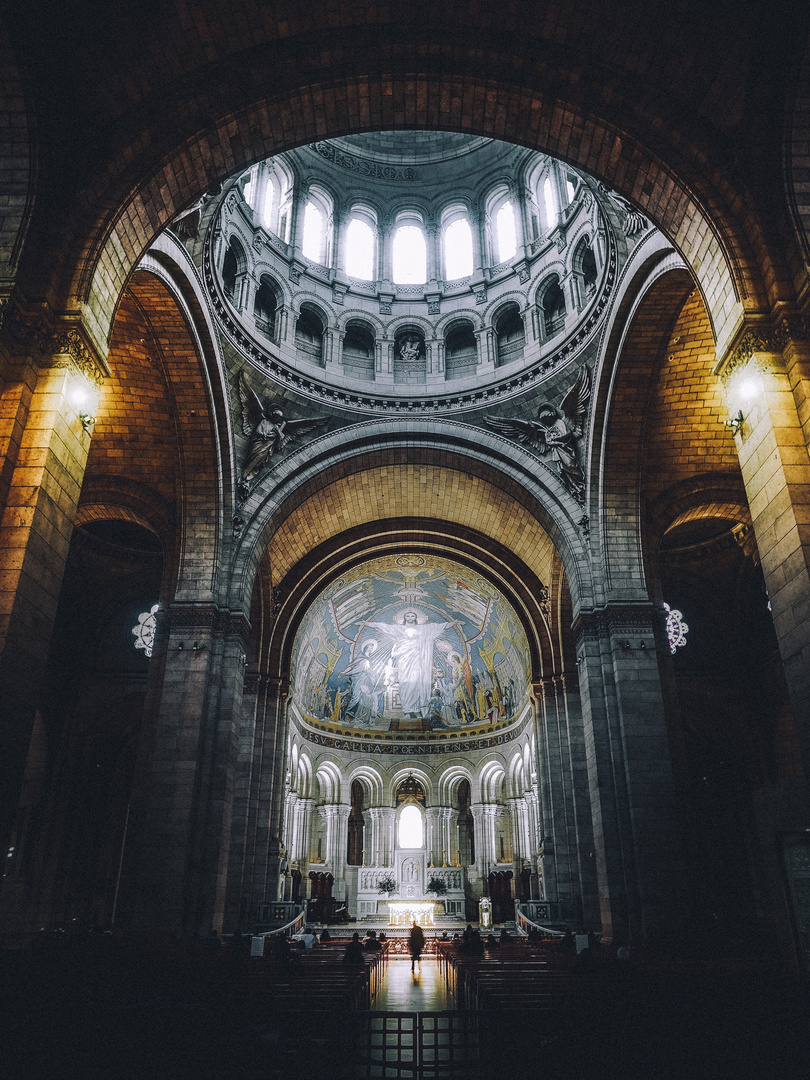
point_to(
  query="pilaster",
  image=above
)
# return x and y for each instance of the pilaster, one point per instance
(767, 383)
(637, 847)
(51, 381)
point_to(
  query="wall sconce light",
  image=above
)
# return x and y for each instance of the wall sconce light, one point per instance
(735, 422)
(87, 421)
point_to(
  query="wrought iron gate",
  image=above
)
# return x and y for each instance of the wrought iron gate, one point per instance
(421, 1046)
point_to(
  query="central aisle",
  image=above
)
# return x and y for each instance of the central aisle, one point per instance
(423, 991)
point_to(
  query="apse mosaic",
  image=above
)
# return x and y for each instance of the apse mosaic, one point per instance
(410, 643)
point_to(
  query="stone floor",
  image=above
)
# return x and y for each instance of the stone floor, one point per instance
(421, 991)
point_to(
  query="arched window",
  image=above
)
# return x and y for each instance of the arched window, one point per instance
(264, 309)
(354, 854)
(585, 273)
(510, 335)
(409, 255)
(460, 351)
(553, 308)
(466, 831)
(234, 265)
(458, 250)
(266, 214)
(360, 250)
(249, 190)
(312, 242)
(549, 204)
(505, 232)
(358, 351)
(316, 231)
(411, 827)
(309, 336)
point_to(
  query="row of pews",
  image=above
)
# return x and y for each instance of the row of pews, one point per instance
(516, 976)
(318, 979)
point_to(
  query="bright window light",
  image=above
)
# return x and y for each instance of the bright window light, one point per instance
(569, 188)
(267, 209)
(250, 188)
(458, 250)
(411, 832)
(506, 232)
(550, 204)
(410, 256)
(313, 233)
(360, 250)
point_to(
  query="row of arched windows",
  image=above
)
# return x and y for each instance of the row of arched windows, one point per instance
(358, 247)
(460, 343)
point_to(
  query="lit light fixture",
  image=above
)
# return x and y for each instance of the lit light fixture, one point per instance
(735, 422)
(87, 421)
(677, 629)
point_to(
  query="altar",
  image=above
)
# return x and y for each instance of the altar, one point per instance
(405, 912)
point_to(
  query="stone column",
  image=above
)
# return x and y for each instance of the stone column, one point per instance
(433, 816)
(176, 864)
(564, 834)
(445, 856)
(45, 369)
(486, 350)
(256, 861)
(376, 826)
(484, 822)
(637, 844)
(771, 389)
(388, 819)
(337, 838)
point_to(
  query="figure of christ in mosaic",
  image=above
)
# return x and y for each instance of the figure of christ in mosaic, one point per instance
(411, 651)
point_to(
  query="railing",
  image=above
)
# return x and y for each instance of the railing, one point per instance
(294, 913)
(538, 910)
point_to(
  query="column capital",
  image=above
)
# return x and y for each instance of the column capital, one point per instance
(51, 340)
(759, 336)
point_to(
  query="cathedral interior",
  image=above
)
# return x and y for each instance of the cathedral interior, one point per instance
(404, 431)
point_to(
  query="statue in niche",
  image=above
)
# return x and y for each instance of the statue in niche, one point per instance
(409, 349)
(268, 431)
(555, 432)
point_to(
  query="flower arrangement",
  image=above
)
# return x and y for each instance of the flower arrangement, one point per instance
(387, 885)
(437, 885)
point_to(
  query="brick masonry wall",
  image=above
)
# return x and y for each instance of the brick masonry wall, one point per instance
(684, 427)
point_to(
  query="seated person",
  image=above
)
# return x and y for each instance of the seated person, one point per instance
(492, 942)
(371, 941)
(354, 951)
(325, 935)
(280, 949)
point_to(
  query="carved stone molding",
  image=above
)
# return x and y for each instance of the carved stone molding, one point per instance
(210, 618)
(51, 342)
(763, 339)
(629, 618)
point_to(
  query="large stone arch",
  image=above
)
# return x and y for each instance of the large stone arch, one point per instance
(706, 232)
(507, 472)
(562, 88)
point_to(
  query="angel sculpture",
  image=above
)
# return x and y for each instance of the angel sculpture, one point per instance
(555, 432)
(268, 432)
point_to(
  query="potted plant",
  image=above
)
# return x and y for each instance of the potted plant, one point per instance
(387, 885)
(437, 886)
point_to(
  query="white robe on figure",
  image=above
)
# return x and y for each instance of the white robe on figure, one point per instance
(413, 651)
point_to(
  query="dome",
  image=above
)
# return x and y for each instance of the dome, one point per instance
(430, 271)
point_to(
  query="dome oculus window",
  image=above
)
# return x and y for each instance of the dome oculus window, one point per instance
(409, 256)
